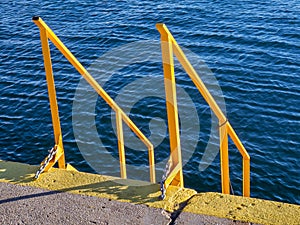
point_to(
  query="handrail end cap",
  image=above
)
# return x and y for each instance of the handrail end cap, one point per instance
(35, 18)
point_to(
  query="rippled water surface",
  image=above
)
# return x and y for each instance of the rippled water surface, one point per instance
(247, 53)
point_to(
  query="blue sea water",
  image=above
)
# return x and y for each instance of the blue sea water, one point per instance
(251, 48)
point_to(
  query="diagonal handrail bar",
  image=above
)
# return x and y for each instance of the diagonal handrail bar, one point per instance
(169, 44)
(46, 33)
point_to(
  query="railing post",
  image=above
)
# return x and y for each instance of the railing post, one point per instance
(224, 157)
(119, 123)
(47, 33)
(151, 164)
(246, 160)
(52, 96)
(171, 102)
(246, 177)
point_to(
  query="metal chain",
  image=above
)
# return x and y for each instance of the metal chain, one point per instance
(52, 153)
(164, 178)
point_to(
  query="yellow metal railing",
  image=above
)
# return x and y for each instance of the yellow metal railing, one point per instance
(169, 48)
(45, 34)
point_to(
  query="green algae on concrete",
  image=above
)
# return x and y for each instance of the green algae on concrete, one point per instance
(139, 192)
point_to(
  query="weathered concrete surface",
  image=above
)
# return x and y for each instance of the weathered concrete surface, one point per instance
(244, 209)
(182, 205)
(137, 192)
(30, 205)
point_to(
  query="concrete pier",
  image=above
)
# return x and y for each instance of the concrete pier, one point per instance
(72, 197)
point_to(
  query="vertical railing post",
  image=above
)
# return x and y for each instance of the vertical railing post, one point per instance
(224, 161)
(52, 97)
(47, 33)
(119, 123)
(225, 128)
(151, 164)
(246, 160)
(171, 102)
(246, 177)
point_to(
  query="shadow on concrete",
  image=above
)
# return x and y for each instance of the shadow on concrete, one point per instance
(117, 189)
(24, 197)
(17, 172)
(124, 193)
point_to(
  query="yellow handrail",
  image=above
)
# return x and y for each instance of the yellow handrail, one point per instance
(170, 46)
(46, 33)
(169, 49)
(172, 112)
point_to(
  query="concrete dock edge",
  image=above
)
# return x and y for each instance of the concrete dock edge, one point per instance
(181, 204)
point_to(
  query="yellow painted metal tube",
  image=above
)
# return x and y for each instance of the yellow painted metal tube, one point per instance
(135, 129)
(237, 142)
(63, 49)
(121, 145)
(224, 160)
(61, 159)
(246, 177)
(52, 98)
(143, 138)
(51, 85)
(71, 58)
(225, 127)
(91, 80)
(192, 73)
(171, 102)
(151, 164)
(246, 160)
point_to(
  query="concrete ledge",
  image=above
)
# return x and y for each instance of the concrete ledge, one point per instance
(244, 209)
(178, 201)
(113, 188)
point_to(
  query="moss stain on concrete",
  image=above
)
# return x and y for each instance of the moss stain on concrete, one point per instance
(139, 192)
